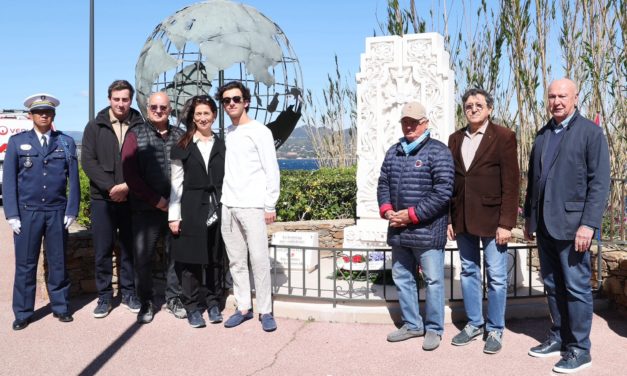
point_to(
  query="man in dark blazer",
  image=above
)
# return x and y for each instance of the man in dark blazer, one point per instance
(101, 157)
(39, 167)
(483, 209)
(568, 185)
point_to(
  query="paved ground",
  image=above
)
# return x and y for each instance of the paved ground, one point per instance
(116, 345)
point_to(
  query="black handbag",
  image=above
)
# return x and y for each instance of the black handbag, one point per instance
(214, 207)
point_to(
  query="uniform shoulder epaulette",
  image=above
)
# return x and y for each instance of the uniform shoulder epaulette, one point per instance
(65, 136)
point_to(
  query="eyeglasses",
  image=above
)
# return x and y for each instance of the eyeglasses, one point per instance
(478, 106)
(155, 107)
(226, 100)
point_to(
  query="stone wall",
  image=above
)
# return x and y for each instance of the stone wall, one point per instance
(614, 273)
(80, 253)
(80, 259)
(330, 233)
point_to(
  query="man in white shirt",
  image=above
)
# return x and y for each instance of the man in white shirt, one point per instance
(249, 195)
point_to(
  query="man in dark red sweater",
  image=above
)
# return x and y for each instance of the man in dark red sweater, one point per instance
(146, 165)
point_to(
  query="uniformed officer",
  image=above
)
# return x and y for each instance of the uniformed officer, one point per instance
(38, 166)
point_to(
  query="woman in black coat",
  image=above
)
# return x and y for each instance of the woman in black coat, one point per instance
(197, 247)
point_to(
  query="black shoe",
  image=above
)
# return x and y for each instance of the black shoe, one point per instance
(467, 335)
(103, 307)
(63, 317)
(175, 307)
(20, 324)
(548, 348)
(145, 314)
(493, 343)
(573, 361)
(195, 319)
(131, 302)
(214, 315)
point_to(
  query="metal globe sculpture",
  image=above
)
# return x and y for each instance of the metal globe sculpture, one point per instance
(204, 45)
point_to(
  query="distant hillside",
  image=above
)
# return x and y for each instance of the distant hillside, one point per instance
(297, 145)
(76, 135)
(301, 132)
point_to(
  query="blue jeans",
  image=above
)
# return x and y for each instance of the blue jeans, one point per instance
(495, 258)
(404, 263)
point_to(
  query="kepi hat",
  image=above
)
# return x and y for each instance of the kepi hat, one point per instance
(41, 101)
(413, 110)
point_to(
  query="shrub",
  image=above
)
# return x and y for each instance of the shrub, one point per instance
(84, 213)
(328, 193)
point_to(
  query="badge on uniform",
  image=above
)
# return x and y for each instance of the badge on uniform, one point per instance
(418, 163)
(28, 162)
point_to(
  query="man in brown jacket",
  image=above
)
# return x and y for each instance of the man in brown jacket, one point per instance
(483, 208)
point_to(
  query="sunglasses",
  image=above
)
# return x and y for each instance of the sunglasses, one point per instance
(226, 100)
(201, 98)
(42, 112)
(154, 108)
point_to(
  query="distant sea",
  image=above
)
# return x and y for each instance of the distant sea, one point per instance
(298, 164)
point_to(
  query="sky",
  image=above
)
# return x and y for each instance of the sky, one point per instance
(46, 44)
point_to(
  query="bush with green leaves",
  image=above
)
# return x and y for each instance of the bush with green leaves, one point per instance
(328, 193)
(84, 213)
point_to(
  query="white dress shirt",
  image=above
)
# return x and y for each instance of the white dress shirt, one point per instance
(176, 177)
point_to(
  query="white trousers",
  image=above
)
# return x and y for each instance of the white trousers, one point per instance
(244, 232)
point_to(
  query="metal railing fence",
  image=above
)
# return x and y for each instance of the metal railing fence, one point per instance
(615, 219)
(332, 274)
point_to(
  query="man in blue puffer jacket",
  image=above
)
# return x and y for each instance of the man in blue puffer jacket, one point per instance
(415, 186)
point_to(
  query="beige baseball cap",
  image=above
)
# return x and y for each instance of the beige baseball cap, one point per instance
(413, 110)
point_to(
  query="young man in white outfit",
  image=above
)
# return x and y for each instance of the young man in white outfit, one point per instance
(249, 195)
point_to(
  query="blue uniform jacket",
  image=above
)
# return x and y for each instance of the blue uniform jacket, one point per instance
(36, 179)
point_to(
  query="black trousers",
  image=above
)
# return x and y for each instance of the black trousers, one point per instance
(148, 227)
(202, 286)
(111, 221)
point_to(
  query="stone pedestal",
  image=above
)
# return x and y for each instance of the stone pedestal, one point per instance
(395, 70)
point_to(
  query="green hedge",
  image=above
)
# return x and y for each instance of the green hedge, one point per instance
(84, 217)
(328, 193)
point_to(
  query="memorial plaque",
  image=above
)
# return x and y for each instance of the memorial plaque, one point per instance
(289, 253)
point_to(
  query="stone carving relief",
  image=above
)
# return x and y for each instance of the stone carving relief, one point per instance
(395, 70)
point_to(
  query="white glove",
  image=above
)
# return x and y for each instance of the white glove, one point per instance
(16, 225)
(68, 220)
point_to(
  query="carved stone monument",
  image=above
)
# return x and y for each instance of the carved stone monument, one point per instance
(395, 70)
